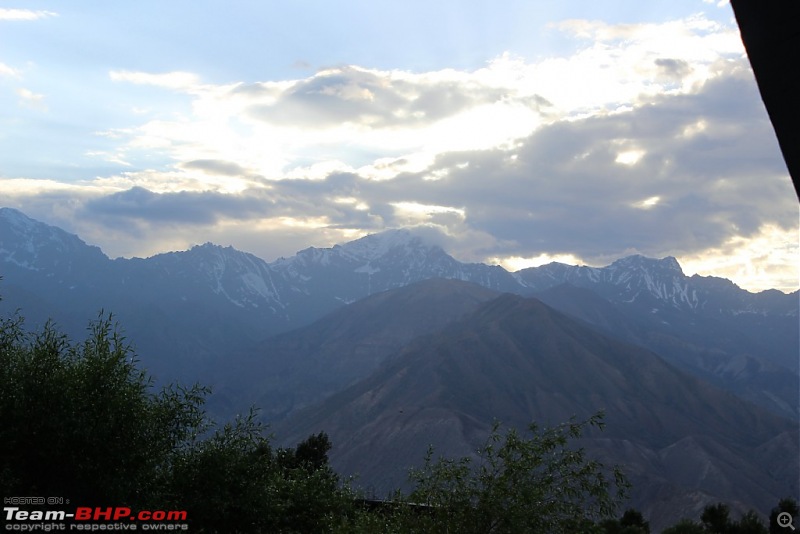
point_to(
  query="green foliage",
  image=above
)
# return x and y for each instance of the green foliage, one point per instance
(520, 484)
(716, 519)
(750, 523)
(398, 516)
(787, 505)
(312, 454)
(685, 526)
(81, 421)
(631, 522)
(235, 482)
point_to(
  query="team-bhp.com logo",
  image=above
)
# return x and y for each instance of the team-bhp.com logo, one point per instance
(93, 518)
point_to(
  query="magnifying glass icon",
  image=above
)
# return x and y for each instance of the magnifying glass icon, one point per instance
(785, 520)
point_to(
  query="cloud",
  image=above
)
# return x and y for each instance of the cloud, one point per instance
(179, 81)
(351, 115)
(706, 170)
(183, 207)
(355, 119)
(25, 14)
(649, 139)
(631, 63)
(767, 260)
(218, 167)
(373, 98)
(564, 190)
(6, 70)
(718, 3)
(681, 32)
(675, 69)
(30, 99)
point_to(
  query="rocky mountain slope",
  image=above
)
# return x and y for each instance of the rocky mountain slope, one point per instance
(304, 366)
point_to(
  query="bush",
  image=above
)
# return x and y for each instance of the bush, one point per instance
(536, 483)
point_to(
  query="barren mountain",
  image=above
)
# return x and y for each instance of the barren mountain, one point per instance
(516, 360)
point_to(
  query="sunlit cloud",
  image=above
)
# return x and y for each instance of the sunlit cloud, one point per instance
(648, 138)
(627, 62)
(629, 157)
(352, 118)
(414, 213)
(695, 128)
(170, 80)
(193, 180)
(6, 70)
(647, 203)
(21, 188)
(30, 99)
(25, 14)
(109, 156)
(517, 263)
(261, 127)
(767, 260)
(356, 203)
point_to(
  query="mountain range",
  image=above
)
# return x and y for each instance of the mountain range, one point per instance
(188, 311)
(390, 344)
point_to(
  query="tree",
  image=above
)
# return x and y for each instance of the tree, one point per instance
(536, 483)
(312, 454)
(234, 481)
(631, 522)
(685, 526)
(787, 505)
(716, 518)
(750, 523)
(80, 420)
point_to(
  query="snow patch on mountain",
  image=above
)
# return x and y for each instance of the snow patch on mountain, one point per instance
(376, 262)
(35, 246)
(375, 246)
(626, 280)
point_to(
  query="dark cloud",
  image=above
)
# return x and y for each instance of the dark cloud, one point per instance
(709, 159)
(215, 166)
(183, 207)
(709, 170)
(354, 95)
(675, 69)
(301, 199)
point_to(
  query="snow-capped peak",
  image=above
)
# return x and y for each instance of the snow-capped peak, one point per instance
(374, 246)
(363, 251)
(17, 220)
(242, 278)
(637, 262)
(34, 245)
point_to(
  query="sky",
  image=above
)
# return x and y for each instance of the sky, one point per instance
(515, 133)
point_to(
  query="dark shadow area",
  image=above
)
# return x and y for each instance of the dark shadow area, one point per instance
(771, 35)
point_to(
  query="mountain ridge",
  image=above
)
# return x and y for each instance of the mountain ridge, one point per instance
(375, 246)
(188, 309)
(304, 365)
(519, 360)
